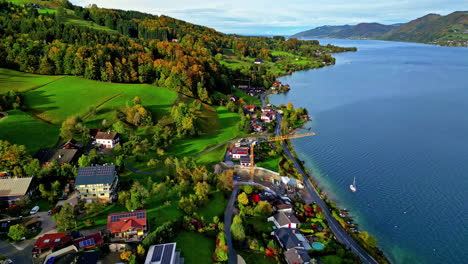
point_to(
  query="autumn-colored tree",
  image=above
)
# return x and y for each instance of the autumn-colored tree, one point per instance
(243, 199)
(226, 180)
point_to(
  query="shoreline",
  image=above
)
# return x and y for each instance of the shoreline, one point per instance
(323, 195)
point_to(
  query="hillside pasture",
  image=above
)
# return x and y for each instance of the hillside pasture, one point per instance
(22, 129)
(76, 96)
(21, 81)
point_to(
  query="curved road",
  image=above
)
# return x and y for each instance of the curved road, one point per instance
(336, 228)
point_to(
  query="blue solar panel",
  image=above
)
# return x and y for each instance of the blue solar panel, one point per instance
(157, 253)
(86, 243)
(138, 215)
(167, 255)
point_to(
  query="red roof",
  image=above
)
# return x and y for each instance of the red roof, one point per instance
(52, 240)
(89, 241)
(121, 222)
(240, 151)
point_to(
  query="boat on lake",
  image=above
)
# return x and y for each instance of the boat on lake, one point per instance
(352, 187)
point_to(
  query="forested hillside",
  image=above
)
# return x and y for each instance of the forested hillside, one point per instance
(133, 47)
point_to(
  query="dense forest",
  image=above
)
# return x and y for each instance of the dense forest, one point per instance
(136, 48)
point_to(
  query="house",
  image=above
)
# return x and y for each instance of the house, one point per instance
(276, 84)
(268, 117)
(175, 40)
(89, 241)
(260, 89)
(52, 241)
(291, 238)
(245, 161)
(98, 183)
(233, 98)
(71, 144)
(237, 153)
(127, 226)
(243, 87)
(13, 189)
(284, 220)
(61, 156)
(107, 139)
(266, 109)
(250, 108)
(283, 207)
(163, 254)
(296, 256)
(259, 61)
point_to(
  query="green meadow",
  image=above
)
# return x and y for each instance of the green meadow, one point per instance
(21, 81)
(76, 96)
(22, 129)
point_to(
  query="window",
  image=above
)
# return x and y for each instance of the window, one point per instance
(47, 241)
(57, 240)
(94, 194)
(102, 194)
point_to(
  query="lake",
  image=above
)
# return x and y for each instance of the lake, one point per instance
(395, 116)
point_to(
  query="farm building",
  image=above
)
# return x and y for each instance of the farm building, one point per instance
(13, 189)
(107, 139)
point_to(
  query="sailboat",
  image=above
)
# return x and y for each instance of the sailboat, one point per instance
(353, 186)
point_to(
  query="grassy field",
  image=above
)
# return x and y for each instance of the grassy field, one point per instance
(217, 124)
(75, 96)
(22, 129)
(215, 207)
(196, 248)
(271, 164)
(20, 81)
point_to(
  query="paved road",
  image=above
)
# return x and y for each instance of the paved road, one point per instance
(336, 228)
(228, 214)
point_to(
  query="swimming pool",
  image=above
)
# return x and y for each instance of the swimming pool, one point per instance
(317, 246)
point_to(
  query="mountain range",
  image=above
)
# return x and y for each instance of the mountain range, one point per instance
(449, 30)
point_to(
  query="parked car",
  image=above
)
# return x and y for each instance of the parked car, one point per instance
(34, 210)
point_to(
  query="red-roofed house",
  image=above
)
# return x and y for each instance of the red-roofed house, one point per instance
(237, 153)
(251, 108)
(127, 226)
(89, 241)
(267, 117)
(51, 242)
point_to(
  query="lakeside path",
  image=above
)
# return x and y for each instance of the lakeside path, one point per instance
(232, 255)
(336, 228)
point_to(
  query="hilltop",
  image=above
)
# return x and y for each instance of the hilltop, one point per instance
(449, 30)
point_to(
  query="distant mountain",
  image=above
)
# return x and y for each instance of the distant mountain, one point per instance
(364, 30)
(449, 30)
(320, 32)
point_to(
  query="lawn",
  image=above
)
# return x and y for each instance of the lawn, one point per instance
(261, 225)
(75, 96)
(21, 81)
(217, 124)
(331, 259)
(257, 258)
(215, 207)
(212, 157)
(271, 164)
(100, 219)
(22, 129)
(196, 248)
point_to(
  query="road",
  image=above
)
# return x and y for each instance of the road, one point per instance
(336, 228)
(228, 214)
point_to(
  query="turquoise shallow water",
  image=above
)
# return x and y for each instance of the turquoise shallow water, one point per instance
(395, 116)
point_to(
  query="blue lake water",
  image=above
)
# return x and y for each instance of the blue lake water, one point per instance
(395, 116)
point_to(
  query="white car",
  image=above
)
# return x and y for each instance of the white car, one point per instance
(34, 210)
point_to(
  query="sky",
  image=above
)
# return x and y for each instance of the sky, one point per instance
(284, 17)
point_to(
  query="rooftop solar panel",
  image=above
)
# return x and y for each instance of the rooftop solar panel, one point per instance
(138, 215)
(157, 253)
(167, 254)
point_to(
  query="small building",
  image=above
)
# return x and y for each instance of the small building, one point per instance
(14, 188)
(61, 156)
(266, 109)
(98, 183)
(107, 139)
(251, 108)
(163, 254)
(245, 161)
(52, 241)
(268, 117)
(71, 144)
(127, 226)
(259, 61)
(283, 207)
(291, 238)
(233, 98)
(243, 87)
(90, 241)
(296, 256)
(284, 220)
(237, 153)
(257, 128)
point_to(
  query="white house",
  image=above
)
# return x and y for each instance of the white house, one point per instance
(268, 117)
(107, 139)
(245, 161)
(237, 153)
(284, 220)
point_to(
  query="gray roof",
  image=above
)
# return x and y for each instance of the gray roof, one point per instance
(286, 218)
(96, 175)
(60, 155)
(163, 254)
(11, 187)
(296, 256)
(291, 238)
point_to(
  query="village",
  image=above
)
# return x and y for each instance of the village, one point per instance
(275, 213)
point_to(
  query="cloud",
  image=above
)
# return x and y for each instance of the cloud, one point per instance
(283, 17)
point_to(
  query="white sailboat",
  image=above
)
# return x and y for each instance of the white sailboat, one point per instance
(353, 186)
